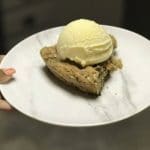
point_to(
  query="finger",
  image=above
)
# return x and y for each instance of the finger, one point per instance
(9, 71)
(4, 105)
(6, 74)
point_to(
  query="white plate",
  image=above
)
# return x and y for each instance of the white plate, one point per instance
(36, 93)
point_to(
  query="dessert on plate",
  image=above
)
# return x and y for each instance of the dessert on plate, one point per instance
(84, 56)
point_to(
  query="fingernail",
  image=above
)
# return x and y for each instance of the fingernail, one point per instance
(9, 71)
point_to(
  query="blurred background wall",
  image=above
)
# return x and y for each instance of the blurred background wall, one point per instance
(21, 18)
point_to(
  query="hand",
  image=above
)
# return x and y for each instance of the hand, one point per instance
(5, 76)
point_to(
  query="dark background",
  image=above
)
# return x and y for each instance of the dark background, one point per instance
(21, 18)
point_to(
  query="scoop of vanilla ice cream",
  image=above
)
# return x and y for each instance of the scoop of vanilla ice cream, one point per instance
(84, 42)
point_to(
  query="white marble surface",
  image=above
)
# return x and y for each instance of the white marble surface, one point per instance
(36, 93)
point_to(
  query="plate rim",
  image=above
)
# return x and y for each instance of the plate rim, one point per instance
(61, 123)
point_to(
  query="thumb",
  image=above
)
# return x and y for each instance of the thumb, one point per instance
(4, 105)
